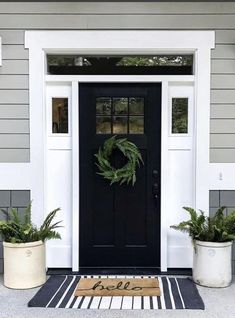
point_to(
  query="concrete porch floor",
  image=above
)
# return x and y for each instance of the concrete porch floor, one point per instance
(220, 303)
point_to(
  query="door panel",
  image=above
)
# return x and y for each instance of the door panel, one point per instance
(120, 224)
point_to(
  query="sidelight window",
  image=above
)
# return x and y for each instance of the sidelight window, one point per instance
(59, 115)
(179, 118)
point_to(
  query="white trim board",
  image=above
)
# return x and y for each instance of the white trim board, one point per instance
(121, 41)
(119, 78)
(117, 42)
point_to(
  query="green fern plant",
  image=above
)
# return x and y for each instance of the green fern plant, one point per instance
(217, 228)
(15, 229)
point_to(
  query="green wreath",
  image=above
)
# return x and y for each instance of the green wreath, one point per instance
(127, 173)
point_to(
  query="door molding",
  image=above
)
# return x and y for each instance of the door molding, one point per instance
(39, 43)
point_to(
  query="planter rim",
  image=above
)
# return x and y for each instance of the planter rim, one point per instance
(22, 245)
(214, 244)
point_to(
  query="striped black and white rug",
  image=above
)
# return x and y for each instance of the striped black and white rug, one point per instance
(176, 293)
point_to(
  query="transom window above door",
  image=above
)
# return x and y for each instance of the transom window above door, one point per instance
(179, 64)
(120, 115)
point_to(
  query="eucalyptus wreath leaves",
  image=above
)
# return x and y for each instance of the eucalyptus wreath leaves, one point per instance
(125, 174)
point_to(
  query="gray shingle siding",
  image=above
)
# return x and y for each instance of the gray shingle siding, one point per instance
(12, 198)
(223, 198)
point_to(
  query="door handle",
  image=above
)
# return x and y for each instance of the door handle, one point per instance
(155, 174)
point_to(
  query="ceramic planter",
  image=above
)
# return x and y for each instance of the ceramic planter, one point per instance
(212, 264)
(24, 264)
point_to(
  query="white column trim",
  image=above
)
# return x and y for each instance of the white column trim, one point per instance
(164, 175)
(202, 123)
(37, 133)
(75, 176)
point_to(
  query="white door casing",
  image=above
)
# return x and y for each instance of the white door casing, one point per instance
(175, 249)
(177, 148)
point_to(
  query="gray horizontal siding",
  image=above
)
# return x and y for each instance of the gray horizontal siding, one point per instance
(225, 37)
(219, 16)
(223, 81)
(14, 67)
(221, 111)
(223, 140)
(223, 66)
(14, 111)
(14, 141)
(123, 8)
(222, 155)
(12, 126)
(226, 126)
(118, 21)
(14, 52)
(11, 96)
(18, 199)
(14, 155)
(222, 51)
(12, 37)
(222, 96)
(14, 81)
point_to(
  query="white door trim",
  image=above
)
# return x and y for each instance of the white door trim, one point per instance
(167, 82)
(119, 42)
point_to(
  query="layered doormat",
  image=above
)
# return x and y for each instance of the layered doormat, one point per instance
(175, 293)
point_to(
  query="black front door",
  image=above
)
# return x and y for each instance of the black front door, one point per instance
(120, 224)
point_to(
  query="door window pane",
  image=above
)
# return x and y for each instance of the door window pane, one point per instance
(120, 105)
(179, 115)
(136, 125)
(120, 125)
(136, 105)
(59, 115)
(103, 105)
(103, 125)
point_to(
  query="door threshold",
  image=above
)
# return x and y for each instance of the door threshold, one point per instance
(120, 271)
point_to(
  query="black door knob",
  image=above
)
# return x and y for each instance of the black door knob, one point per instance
(155, 189)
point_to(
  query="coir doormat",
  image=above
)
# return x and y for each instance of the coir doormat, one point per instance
(117, 287)
(176, 293)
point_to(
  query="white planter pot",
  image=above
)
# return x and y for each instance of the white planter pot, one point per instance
(24, 264)
(212, 264)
